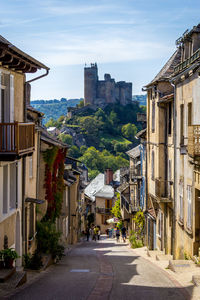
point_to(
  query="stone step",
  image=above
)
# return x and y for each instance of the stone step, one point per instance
(164, 257)
(153, 253)
(179, 266)
(17, 279)
(5, 274)
(196, 280)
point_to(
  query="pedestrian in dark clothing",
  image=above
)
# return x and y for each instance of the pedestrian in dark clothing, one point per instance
(123, 230)
(88, 233)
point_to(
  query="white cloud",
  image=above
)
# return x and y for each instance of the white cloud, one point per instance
(81, 9)
(78, 51)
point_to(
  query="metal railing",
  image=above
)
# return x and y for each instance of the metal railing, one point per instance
(17, 138)
(102, 210)
(163, 188)
(186, 63)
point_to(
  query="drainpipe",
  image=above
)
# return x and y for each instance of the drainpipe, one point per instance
(174, 204)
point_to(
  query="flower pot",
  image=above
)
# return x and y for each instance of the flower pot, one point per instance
(8, 262)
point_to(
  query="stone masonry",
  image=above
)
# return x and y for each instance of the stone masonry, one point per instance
(97, 92)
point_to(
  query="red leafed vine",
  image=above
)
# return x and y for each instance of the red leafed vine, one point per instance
(54, 181)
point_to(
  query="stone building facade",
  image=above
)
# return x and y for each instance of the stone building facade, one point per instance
(105, 91)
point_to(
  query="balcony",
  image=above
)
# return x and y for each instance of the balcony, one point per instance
(16, 139)
(194, 140)
(103, 210)
(135, 172)
(186, 63)
(163, 190)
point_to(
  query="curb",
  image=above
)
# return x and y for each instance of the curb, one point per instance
(184, 289)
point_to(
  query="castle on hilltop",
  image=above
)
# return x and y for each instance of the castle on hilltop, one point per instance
(98, 92)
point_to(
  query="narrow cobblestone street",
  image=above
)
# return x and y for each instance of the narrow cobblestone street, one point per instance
(101, 270)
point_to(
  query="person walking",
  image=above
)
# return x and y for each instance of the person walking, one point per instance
(95, 232)
(117, 234)
(98, 233)
(88, 234)
(123, 230)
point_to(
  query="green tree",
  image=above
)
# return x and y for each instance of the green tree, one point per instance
(65, 138)
(83, 149)
(116, 210)
(51, 123)
(74, 152)
(129, 131)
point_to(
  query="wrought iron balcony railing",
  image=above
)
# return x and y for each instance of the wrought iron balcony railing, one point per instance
(163, 190)
(16, 138)
(102, 210)
(186, 63)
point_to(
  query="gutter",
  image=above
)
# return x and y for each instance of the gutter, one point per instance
(38, 77)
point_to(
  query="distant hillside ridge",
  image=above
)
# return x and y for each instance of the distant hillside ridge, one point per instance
(142, 99)
(54, 108)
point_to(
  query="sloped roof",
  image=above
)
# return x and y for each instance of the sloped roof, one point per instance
(9, 46)
(168, 69)
(94, 186)
(141, 133)
(123, 187)
(135, 152)
(107, 191)
(46, 137)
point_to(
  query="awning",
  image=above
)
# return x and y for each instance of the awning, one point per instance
(34, 200)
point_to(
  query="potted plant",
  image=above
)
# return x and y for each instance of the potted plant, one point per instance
(1, 261)
(9, 255)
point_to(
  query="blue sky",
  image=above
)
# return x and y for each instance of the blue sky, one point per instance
(130, 39)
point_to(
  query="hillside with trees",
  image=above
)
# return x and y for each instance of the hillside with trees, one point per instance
(54, 108)
(101, 138)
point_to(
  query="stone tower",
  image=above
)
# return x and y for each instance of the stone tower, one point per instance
(90, 84)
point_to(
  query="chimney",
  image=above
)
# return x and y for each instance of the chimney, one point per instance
(108, 176)
(28, 93)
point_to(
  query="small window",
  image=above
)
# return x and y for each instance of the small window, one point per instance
(152, 166)
(181, 201)
(13, 186)
(160, 220)
(153, 117)
(189, 114)
(30, 167)
(170, 118)
(182, 124)
(189, 206)
(5, 189)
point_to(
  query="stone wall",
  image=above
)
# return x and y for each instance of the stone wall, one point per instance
(104, 91)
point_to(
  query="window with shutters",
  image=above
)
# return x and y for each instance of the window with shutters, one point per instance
(182, 124)
(13, 185)
(181, 201)
(5, 189)
(189, 206)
